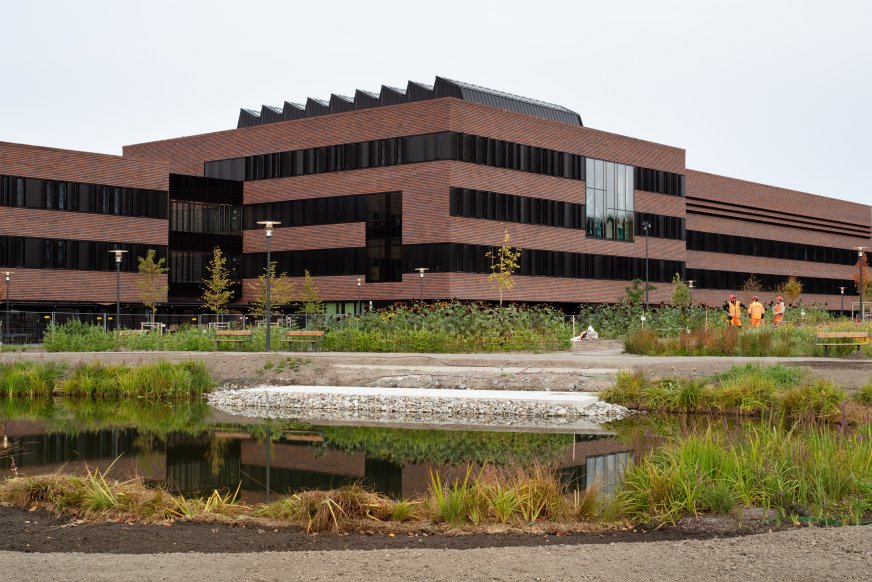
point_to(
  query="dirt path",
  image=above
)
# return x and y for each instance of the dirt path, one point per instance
(591, 368)
(801, 554)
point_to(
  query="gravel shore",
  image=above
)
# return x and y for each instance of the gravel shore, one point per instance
(279, 402)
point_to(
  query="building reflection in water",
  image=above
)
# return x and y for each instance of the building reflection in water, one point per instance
(279, 461)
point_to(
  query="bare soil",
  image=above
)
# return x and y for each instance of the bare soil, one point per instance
(38, 531)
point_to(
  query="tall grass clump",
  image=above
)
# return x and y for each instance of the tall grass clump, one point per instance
(750, 390)
(75, 336)
(29, 379)
(160, 380)
(815, 473)
(864, 394)
(157, 380)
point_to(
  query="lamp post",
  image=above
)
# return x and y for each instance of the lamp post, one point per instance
(690, 286)
(119, 254)
(646, 226)
(358, 296)
(422, 270)
(268, 231)
(862, 309)
(8, 281)
(842, 294)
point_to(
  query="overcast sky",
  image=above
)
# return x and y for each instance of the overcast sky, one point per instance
(778, 92)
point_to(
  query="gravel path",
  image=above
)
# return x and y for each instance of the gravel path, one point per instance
(802, 554)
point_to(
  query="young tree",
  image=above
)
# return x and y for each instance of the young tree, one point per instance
(281, 291)
(311, 298)
(680, 292)
(504, 263)
(867, 278)
(749, 288)
(217, 291)
(152, 286)
(790, 290)
(634, 293)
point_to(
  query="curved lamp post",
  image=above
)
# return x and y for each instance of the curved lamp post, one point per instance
(842, 294)
(119, 255)
(268, 231)
(690, 286)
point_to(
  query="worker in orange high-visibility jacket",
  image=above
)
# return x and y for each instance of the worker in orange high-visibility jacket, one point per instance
(778, 311)
(756, 311)
(734, 309)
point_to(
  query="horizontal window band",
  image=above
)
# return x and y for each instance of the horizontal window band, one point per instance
(465, 258)
(774, 249)
(430, 147)
(80, 255)
(734, 281)
(64, 196)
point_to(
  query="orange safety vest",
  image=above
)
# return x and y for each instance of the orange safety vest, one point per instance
(778, 311)
(756, 310)
(735, 313)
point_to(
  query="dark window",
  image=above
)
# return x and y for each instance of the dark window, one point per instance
(511, 208)
(400, 150)
(740, 245)
(58, 195)
(659, 182)
(731, 281)
(384, 237)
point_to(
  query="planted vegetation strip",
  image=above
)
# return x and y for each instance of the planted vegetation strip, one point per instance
(818, 473)
(160, 380)
(748, 390)
(445, 327)
(783, 341)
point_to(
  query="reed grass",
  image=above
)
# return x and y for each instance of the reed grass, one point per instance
(817, 473)
(750, 390)
(160, 380)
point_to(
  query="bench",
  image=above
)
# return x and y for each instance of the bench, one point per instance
(232, 335)
(860, 338)
(310, 337)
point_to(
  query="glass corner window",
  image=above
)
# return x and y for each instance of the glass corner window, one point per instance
(609, 200)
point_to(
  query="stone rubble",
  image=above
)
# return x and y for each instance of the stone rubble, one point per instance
(263, 402)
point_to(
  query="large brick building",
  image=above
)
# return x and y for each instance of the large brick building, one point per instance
(372, 187)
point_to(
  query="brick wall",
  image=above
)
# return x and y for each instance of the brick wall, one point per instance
(73, 166)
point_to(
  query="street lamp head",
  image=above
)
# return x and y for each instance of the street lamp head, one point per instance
(842, 290)
(358, 281)
(422, 270)
(690, 283)
(646, 226)
(860, 251)
(8, 275)
(119, 253)
(268, 225)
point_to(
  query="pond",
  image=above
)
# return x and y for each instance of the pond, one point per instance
(192, 449)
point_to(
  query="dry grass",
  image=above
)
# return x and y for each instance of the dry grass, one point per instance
(498, 499)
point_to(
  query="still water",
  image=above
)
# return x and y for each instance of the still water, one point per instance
(191, 449)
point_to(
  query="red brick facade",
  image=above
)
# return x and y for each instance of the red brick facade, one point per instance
(713, 204)
(69, 285)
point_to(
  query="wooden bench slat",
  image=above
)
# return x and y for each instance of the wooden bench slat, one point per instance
(843, 335)
(233, 332)
(842, 344)
(304, 333)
